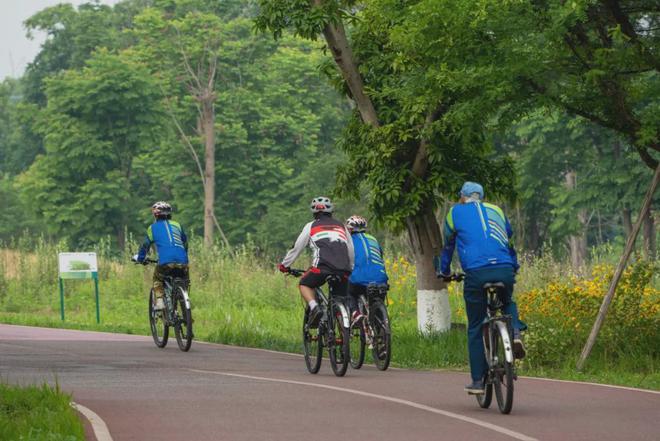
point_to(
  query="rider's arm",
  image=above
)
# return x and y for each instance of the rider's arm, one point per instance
(144, 249)
(351, 249)
(512, 250)
(298, 247)
(448, 249)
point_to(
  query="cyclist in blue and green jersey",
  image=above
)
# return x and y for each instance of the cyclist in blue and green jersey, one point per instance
(369, 264)
(482, 234)
(171, 245)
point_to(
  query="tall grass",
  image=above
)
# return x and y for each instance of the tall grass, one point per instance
(38, 413)
(241, 299)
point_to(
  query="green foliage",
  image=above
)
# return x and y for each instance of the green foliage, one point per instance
(96, 121)
(38, 413)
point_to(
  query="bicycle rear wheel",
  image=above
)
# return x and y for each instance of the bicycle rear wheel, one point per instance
(338, 341)
(312, 345)
(159, 329)
(358, 339)
(183, 327)
(502, 375)
(382, 338)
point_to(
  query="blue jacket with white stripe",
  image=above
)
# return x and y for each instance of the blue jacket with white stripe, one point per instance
(483, 235)
(170, 240)
(369, 265)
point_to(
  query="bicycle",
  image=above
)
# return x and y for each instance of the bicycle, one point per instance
(373, 329)
(332, 331)
(177, 312)
(497, 332)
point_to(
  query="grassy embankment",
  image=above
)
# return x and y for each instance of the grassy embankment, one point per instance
(241, 300)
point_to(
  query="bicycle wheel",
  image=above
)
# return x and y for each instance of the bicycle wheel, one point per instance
(312, 345)
(183, 323)
(502, 375)
(159, 329)
(358, 339)
(338, 341)
(486, 398)
(382, 338)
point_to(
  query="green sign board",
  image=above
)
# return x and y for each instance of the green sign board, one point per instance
(78, 266)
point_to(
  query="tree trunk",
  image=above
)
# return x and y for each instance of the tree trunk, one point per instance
(335, 37)
(649, 235)
(627, 222)
(577, 243)
(208, 125)
(433, 310)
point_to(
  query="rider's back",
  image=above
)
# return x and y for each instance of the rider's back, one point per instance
(170, 241)
(369, 265)
(482, 235)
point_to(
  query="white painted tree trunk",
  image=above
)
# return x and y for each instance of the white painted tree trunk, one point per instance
(433, 311)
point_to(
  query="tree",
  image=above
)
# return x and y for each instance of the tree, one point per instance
(96, 122)
(402, 145)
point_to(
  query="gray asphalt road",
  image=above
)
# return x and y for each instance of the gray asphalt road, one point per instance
(217, 392)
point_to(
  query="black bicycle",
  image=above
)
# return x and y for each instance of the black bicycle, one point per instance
(177, 312)
(498, 346)
(373, 329)
(331, 332)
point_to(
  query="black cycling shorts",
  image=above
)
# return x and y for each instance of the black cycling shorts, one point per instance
(315, 277)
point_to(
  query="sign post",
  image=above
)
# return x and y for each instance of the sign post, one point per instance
(78, 266)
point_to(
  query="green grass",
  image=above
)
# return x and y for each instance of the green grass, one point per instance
(37, 413)
(240, 300)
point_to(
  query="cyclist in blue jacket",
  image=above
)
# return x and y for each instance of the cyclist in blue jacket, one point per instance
(369, 264)
(483, 236)
(171, 245)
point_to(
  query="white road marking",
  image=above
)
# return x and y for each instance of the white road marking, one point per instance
(493, 427)
(98, 425)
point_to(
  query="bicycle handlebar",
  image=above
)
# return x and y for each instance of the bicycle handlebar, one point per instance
(296, 272)
(455, 277)
(145, 262)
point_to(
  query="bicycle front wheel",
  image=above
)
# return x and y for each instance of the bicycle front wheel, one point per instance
(312, 345)
(338, 341)
(502, 374)
(382, 338)
(159, 329)
(183, 323)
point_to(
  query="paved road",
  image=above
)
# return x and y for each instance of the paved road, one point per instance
(218, 392)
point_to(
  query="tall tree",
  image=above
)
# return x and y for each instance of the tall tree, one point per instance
(396, 142)
(96, 122)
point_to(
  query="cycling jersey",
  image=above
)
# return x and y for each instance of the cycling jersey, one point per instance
(170, 240)
(482, 233)
(369, 265)
(331, 244)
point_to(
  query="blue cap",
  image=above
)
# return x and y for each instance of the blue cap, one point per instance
(472, 187)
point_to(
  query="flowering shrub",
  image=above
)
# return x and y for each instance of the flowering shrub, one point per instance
(560, 315)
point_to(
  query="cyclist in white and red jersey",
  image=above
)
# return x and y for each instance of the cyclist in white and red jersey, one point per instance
(333, 254)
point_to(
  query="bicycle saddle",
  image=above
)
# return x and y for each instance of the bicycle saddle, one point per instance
(496, 285)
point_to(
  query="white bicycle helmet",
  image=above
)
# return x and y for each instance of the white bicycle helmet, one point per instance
(161, 208)
(322, 204)
(356, 224)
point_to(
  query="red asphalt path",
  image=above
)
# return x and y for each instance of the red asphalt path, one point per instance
(217, 392)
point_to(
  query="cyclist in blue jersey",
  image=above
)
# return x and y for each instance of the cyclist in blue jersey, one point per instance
(482, 234)
(171, 245)
(369, 264)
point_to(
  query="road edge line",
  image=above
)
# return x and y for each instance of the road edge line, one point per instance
(101, 431)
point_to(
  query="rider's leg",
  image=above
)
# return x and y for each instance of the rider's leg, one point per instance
(475, 307)
(158, 286)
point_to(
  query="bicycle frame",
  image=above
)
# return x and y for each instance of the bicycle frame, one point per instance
(503, 324)
(325, 301)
